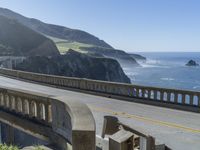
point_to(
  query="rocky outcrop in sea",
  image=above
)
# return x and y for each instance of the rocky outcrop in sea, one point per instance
(192, 63)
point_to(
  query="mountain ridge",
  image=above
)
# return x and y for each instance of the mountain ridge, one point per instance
(54, 30)
(73, 35)
(17, 39)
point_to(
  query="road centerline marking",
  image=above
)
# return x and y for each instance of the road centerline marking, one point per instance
(145, 119)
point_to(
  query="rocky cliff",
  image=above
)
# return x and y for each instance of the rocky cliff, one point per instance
(73, 35)
(74, 64)
(119, 55)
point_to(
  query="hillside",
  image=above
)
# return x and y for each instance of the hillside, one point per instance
(19, 40)
(55, 30)
(74, 64)
(66, 38)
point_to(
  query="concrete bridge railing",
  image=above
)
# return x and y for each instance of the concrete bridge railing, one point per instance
(124, 135)
(59, 120)
(179, 99)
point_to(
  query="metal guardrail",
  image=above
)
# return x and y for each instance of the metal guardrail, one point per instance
(181, 99)
(56, 117)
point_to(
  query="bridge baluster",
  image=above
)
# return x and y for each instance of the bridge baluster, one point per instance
(151, 94)
(13, 103)
(23, 106)
(16, 104)
(48, 115)
(10, 102)
(19, 105)
(41, 111)
(137, 92)
(1, 99)
(26, 109)
(132, 92)
(4, 100)
(33, 109)
(7, 101)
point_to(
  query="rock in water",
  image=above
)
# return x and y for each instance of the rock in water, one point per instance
(192, 63)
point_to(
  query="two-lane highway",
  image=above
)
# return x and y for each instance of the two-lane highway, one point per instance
(179, 130)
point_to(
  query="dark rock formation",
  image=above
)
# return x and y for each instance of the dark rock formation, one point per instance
(18, 40)
(121, 56)
(192, 63)
(75, 64)
(138, 57)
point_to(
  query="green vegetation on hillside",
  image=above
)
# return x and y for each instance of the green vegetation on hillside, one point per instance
(11, 147)
(65, 46)
(6, 147)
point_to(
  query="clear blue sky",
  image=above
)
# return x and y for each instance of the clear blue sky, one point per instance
(132, 25)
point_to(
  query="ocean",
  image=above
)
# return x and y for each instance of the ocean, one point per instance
(167, 70)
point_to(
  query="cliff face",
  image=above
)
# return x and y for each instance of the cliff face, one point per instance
(138, 57)
(121, 56)
(75, 64)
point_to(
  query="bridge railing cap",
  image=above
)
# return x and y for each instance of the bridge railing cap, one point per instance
(82, 118)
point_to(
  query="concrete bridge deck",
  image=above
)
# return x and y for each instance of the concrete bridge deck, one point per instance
(179, 130)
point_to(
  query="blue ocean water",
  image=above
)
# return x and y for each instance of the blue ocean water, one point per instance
(167, 70)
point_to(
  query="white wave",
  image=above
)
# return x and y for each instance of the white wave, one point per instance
(167, 79)
(153, 63)
(196, 87)
(149, 66)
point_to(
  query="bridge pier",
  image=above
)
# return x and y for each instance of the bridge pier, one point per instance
(12, 136)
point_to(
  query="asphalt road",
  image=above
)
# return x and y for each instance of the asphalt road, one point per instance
(179, 130)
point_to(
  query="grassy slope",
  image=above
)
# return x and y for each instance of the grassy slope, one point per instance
(64, 45)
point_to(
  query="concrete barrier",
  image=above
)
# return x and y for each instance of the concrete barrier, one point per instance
(123, 137)
(171, 98)
(59, 120)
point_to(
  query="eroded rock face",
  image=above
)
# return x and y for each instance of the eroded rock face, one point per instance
(75, 64)
(121, 56)
(192, 63)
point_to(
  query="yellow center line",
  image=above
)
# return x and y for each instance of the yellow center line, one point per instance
(153, 121)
